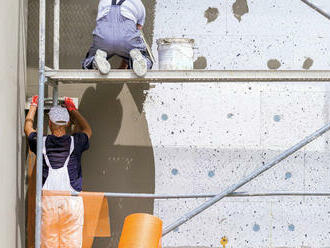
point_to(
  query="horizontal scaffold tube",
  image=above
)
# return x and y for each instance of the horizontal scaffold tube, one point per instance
(181, 196)
(189, 76)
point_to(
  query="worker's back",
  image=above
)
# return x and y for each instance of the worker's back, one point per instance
(58, 150)
(131, 9)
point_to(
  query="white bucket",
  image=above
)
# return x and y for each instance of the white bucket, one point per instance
(176, 54)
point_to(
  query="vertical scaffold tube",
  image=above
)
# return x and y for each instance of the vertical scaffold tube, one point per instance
(42, 40)
(55, 95)
(56, 58)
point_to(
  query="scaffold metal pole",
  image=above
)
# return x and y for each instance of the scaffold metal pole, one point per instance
(316, 8)
(42, 45)
(185, 196)
(56, 58)
(56, 55)
(245, 180)
(188, 76)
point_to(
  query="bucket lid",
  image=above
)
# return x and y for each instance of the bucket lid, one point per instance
(163, 41)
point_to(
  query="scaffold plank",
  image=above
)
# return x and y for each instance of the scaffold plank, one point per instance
(191, 76)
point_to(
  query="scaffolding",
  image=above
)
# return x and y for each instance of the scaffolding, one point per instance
(54, 76)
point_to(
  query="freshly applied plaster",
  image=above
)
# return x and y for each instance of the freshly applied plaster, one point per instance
(273, 64)
(211, 14)
(200, 63)
(308, 63)
(240, 8)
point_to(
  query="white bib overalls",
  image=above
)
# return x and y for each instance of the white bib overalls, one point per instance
(62, 216)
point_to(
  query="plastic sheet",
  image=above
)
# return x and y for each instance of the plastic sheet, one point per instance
(96, 218)
(141, 231)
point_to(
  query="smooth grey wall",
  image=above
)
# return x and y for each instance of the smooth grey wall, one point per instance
(12, 68)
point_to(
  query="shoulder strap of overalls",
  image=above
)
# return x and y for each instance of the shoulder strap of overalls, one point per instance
(119, 3)
(44, 152)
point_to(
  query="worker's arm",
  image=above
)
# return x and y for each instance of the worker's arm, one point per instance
(79, 121)
(28, 125)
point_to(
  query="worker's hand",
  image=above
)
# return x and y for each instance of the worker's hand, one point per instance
(139, 26)
(69, 104)
(34, 101)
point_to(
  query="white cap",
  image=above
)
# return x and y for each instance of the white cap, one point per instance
(59, 116)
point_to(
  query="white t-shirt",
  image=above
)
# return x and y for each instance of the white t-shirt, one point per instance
(131, 9)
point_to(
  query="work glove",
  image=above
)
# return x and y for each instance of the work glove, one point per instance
(34, 101)
(69, 104)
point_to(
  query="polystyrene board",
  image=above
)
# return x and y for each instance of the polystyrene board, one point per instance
(216, 121)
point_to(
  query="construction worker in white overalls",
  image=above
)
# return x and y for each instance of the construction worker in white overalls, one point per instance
(117, 32)
(62, 216)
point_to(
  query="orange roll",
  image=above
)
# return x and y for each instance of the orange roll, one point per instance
(141, 231)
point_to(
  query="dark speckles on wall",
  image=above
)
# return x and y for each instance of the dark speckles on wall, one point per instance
(200, 63)
(211, 14)
(240, 8)
(230, 115)
(308, 63)
(273, 64)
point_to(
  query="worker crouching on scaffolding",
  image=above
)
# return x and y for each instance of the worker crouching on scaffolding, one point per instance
(62, 216)
(117, 32)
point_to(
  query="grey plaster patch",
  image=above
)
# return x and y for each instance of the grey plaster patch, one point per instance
(308, 63)
(273, 64)
(164, 117)
(211, 14)
(277, 118)
(240, 8)
(200, 63)
(149, 26)
(175, 172)
(256, 227)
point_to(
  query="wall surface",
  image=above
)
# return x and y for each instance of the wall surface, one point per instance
(207, 136)
(12, 87)
(120, 158)
(184, 138)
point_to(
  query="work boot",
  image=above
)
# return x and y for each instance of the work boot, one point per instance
(139, 62)
(101, 63)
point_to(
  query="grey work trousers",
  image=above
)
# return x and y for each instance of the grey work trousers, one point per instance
(116, 35)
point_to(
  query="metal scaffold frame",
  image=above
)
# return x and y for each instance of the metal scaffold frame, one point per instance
(53, 76)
